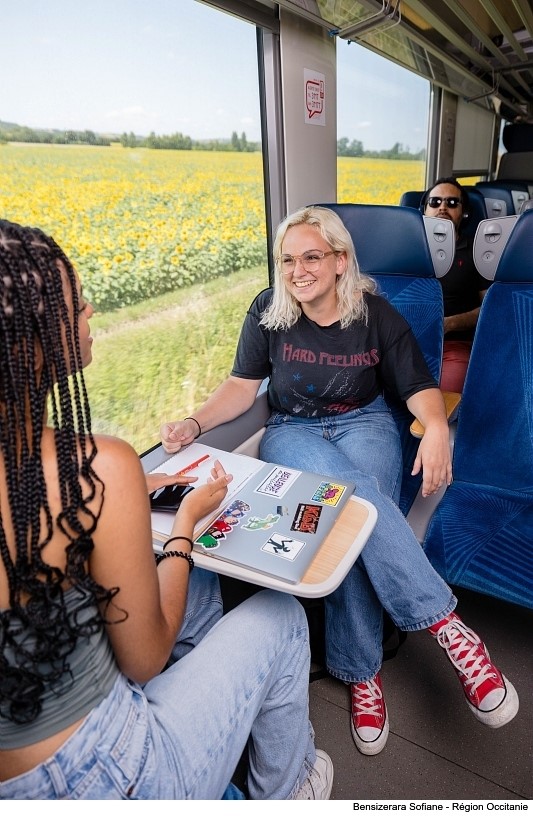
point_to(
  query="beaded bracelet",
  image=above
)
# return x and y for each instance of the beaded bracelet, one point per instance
(174, 554)
(199, 426)
(177, 538)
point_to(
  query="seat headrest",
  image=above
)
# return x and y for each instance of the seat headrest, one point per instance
(411, 198)
(526, 205)
(440, 235)
(502, 248)
(518, 137)
(388, 240)
(516, 264)
(477, 209)
(503, 197)
(490, 239)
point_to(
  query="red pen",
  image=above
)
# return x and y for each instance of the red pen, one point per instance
(193, 465)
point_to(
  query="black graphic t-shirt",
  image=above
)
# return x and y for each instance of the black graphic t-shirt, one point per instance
(461, 288)
(323, 370)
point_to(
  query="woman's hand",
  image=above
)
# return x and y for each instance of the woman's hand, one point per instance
(433, 455)
(433, 458)
(175, 435)
(156, 480)
(205, 498)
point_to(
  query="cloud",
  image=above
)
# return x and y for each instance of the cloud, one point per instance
(364, 124)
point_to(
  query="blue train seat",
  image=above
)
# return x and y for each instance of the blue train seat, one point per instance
(503, 197)
(478, 210)
(393, 246)
(481, 534)
(517, 163)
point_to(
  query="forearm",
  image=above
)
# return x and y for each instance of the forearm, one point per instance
(147, 612)
(433, 455)
(461, 322)
(173, 572)
(231, 399)
(428, 407)
(173, 576)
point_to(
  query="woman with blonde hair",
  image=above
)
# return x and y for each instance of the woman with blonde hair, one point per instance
(329, 346)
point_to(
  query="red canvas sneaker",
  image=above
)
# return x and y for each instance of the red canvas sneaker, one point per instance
(490, 696)
(369, 721)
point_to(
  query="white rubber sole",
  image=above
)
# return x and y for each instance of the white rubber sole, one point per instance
(375, 746)
(327, 771)
(503, 713)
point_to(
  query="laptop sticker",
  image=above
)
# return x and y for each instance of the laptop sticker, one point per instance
(278, 481)
(228, 519)
(255, 523)
(306, 518)
(283, 546)
(329, 493)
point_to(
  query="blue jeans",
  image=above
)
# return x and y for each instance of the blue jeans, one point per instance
(392, 572)
(182, 734)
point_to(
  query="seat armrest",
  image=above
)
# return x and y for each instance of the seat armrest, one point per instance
(451, 404)
(423, 507)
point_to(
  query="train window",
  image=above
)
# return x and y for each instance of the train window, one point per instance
(474, 139)
(382, 126)
(132, 134)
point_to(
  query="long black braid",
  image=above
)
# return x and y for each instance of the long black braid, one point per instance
(37, 635)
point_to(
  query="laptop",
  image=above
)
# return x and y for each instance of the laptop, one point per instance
(274, 518)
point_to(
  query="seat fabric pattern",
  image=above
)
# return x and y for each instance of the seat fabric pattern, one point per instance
(419, 301)
(481, 535)
(391, 246)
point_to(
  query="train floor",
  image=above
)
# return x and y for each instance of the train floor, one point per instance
(436, 749)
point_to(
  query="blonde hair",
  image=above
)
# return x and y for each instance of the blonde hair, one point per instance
(284, 310)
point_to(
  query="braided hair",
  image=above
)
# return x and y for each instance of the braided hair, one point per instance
(41, 381)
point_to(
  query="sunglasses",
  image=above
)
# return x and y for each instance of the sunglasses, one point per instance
(452, 202)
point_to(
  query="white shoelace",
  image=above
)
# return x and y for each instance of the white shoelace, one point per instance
(368, 699)
(474, 664)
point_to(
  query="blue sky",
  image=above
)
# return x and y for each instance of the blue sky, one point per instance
(175, 65)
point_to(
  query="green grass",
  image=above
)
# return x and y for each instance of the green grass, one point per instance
(160, 359)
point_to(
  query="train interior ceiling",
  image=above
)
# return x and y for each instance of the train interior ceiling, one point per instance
(478, 52)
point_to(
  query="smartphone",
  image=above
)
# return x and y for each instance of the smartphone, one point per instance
(169, 498)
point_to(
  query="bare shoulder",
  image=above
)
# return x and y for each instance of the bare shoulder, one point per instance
(118, 467)
(125, 497)
(115, 456)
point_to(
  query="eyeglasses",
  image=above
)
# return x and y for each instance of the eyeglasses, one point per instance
(452, 202)
(310, 261)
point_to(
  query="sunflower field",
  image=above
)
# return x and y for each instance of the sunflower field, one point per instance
(139, 223)
(171, 250)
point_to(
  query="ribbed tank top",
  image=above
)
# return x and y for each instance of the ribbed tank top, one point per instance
(93, 671)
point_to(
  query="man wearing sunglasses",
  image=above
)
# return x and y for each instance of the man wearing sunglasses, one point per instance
(463, 288)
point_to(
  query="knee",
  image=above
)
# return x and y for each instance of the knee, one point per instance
(367, 487)
(278, 608)
(274, 438)
(204, 586)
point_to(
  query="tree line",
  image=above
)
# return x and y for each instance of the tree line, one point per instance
(345, 147)
(178, 141)
(175, 141)
(21, 133)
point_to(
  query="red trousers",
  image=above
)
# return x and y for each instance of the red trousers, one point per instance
(455, 359)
